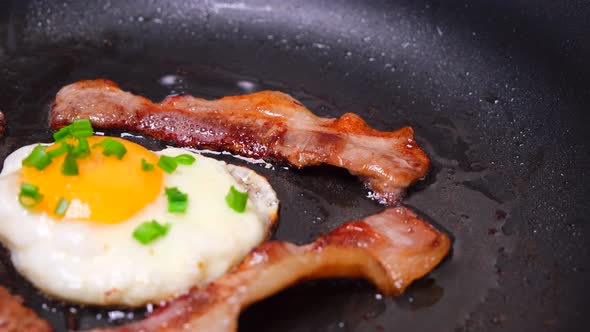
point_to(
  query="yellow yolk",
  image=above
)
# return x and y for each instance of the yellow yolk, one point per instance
(107, 189)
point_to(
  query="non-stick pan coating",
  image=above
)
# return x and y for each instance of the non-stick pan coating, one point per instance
(497, 92)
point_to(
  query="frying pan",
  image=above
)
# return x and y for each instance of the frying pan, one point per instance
(497, 92)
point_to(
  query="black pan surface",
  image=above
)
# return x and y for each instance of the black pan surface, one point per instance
(497, 93)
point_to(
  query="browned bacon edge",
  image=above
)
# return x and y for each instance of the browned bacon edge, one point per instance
(266, 124)
(14, 317)
(391, 249)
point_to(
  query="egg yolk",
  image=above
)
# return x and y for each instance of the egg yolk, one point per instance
(106, 189)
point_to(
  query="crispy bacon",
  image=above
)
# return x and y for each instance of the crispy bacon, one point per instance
(266, 124)
(14, 317)
(391, 249)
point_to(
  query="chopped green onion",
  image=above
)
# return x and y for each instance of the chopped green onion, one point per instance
(62, 206)
(113, 147)
(146, 166)
(236, 200)
(78, 128)
(177, 200)
(29, 189)
(81, 150)
(185, 159)
(61, 134)
(149, 231)
(81, 128)
(38, 158)
(64, 147)
(167, 163)
(177, 207)
(70, 166)
(29, 195)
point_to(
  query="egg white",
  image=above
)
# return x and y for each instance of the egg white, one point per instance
(96, 263)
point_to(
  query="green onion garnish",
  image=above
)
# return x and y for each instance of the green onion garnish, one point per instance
(149, 231)
(78, 129)
(70, 166)
(63, 148)
(62, 206)
(236, 200)
(81, 128)
(61, 134)
(113, 147)
(185, 159)
(167, 164)
(29, 195)
(38, 158)
(177, 200)
(146, 166)
(81, 150)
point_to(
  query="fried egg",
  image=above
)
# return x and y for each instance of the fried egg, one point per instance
(88, 253)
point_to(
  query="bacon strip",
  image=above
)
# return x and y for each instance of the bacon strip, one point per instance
(14, 317)
(266, 124)
(391, 249)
